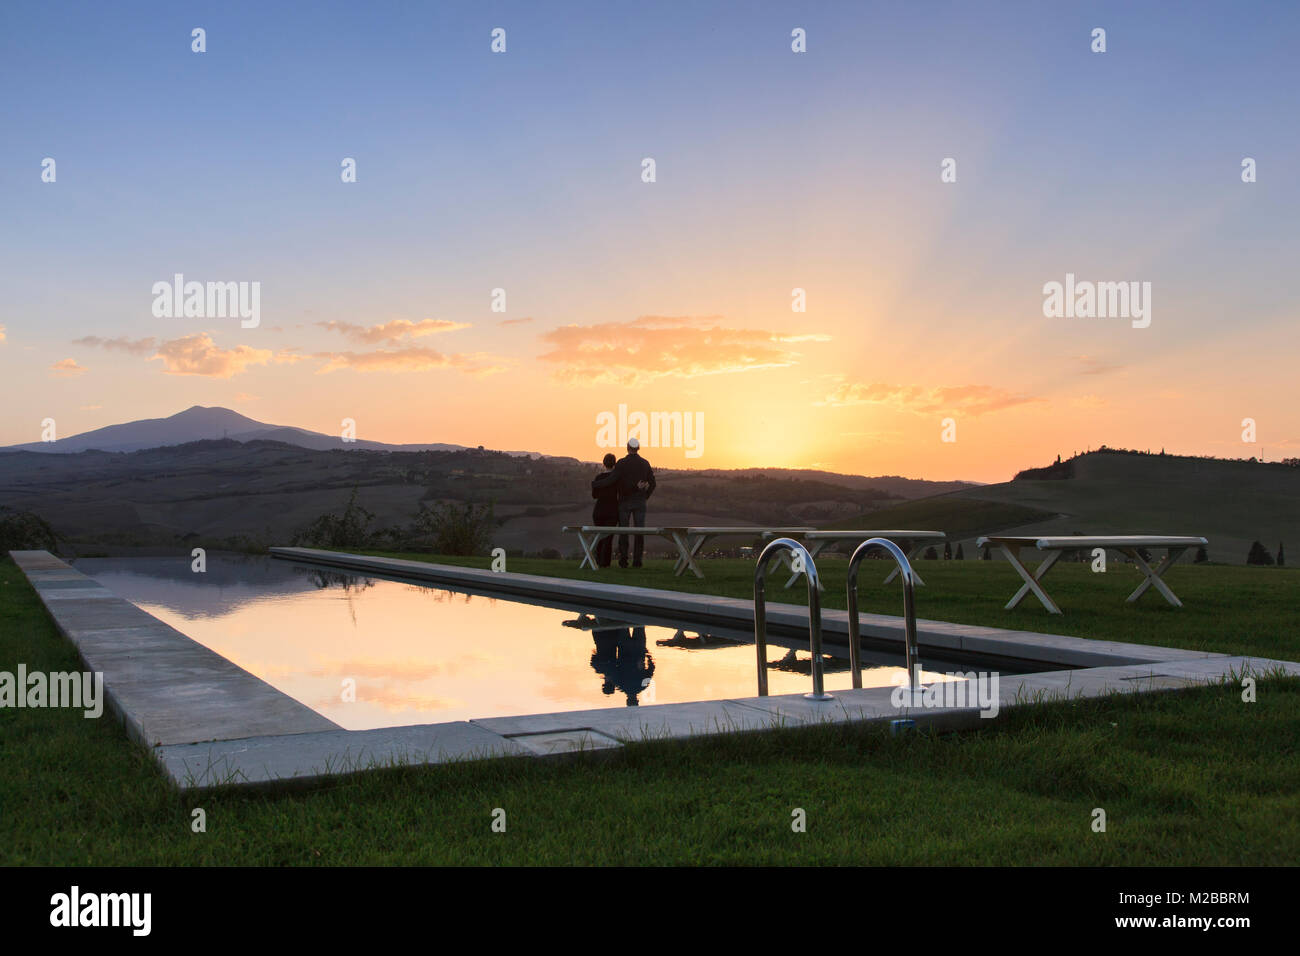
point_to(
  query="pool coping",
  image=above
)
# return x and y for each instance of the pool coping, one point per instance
(210, 723)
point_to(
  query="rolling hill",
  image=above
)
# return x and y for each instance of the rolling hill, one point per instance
(1232, 503)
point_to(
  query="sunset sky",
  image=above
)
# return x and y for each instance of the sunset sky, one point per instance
(775, 170)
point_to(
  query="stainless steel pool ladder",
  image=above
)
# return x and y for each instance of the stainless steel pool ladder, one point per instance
(799, 555)
(908, 577)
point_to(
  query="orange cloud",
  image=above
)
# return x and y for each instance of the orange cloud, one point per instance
(1095, 366)
(67, 368)
(969, 399)
(656, 346)
(121, 344)
(394, 331)
(199, 355)
(409, 359)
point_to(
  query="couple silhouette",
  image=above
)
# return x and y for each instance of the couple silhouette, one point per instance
(621, 492)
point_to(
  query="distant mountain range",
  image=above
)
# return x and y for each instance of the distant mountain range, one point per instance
(200, 423)
(213, 476)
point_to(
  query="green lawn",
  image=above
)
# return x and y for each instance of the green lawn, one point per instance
(1197, 777)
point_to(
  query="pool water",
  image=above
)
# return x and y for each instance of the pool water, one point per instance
(368, 652)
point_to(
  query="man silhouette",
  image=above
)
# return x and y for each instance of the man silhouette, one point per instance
(636, 483)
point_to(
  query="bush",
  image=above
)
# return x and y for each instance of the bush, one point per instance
(456, 529)
(348, 530)
(25, 531)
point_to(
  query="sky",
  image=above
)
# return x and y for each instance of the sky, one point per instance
(922, 348)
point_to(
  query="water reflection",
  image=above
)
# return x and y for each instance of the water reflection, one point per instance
(793, 663)
(336, 579)
(419, 653)
(622, 659)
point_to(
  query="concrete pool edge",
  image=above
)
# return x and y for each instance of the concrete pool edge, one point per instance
(209, 723)
(163, 686)
(306, 759)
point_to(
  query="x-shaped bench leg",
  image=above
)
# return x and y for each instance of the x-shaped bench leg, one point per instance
(1031, 580)
(911, 558)
(687, 555)
(696, 543)
(589, 557)
(1153, 577)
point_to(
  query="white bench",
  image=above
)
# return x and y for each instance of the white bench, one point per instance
(688, 541)
(817, 541)
(1128, 544)
(696, 538)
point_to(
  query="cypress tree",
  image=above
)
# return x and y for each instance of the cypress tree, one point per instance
(1259, 555)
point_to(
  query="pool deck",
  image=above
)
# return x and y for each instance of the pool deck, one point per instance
(211, 723)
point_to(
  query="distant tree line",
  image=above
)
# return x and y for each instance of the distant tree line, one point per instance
(1065, 469)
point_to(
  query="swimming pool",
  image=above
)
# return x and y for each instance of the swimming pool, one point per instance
(369, 652)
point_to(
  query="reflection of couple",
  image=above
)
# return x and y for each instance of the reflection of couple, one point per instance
(622, 659)
(621, 492)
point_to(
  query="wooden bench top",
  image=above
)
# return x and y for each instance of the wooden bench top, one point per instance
(679, 529)
(1073, 541)
(834, 535)
(614, 528)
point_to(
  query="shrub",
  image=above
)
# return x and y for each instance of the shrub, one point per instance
(462, 529)
(348, 530)
(25, 531)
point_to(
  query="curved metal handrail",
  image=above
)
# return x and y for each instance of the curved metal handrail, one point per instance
(908, 577)
(814, 613)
